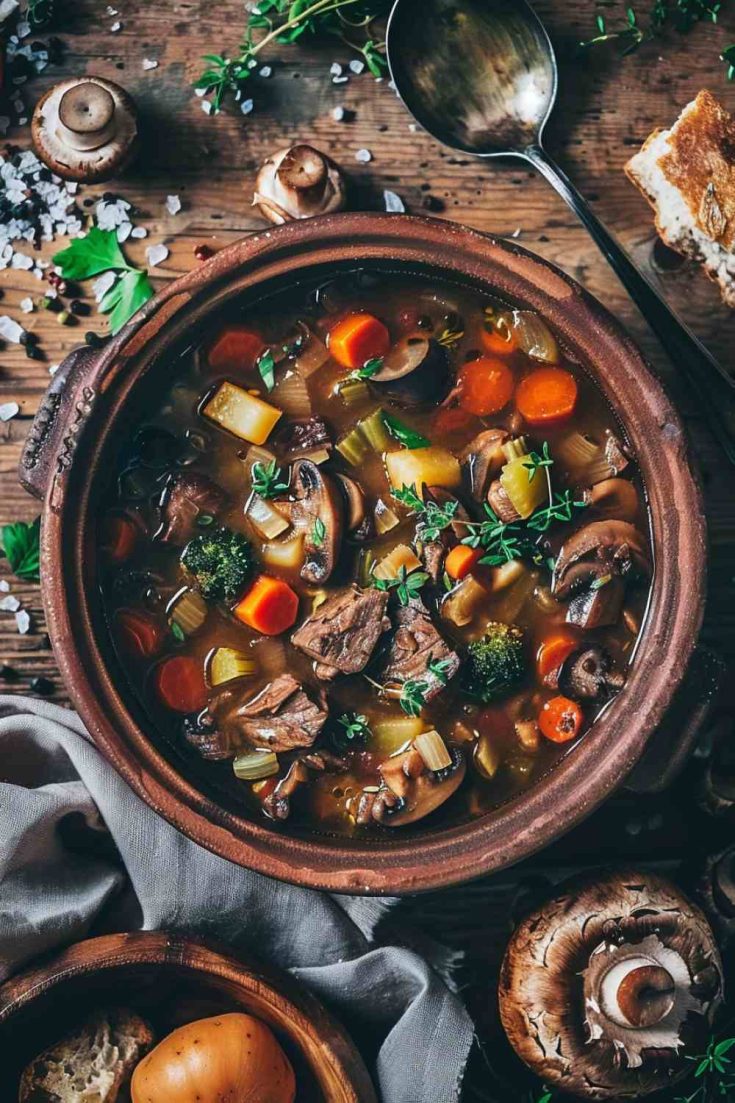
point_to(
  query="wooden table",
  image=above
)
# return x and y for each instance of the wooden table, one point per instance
(607, 106)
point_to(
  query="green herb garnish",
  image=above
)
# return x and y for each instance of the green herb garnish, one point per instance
(630, 33)
(413, 696)
(355, 729)
(405, 585)
(560, 508)
(369, 368)
(406, 436)
(318, 533)
(439, 668)
(21, 548)
(267, 370)
(450, 338)
(100, 252)
(728, 56)
(267, 480)
(712, 1071)
(433, 518)
(536, 462)
(205, 519)
(177, 631)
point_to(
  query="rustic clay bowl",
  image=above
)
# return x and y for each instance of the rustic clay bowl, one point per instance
(171, 980)
(69, 455)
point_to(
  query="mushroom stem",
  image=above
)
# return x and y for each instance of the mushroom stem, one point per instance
(637, 992)
(86, 116)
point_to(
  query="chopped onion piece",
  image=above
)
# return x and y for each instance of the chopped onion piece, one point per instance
(385, 518)
(461, 604)
(292, 395)
(433, 750)
(188, 611)
(394, 734)
(286, 555)
(534, 336)
(255, 765)
(266, 518)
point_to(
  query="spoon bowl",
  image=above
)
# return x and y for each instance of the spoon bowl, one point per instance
(479, 76)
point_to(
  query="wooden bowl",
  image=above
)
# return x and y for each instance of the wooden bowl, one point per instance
(70, 451)
(171, 980)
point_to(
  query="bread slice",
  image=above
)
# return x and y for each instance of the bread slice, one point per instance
(687, 174)
(92, 1065)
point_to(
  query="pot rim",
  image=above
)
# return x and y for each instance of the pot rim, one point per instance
(582, 780)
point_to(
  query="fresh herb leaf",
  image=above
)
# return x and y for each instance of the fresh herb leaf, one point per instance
(413, 696)
(318, 533)
(433, 518)
(405, 585)
(374, 55)
(267, 370)
(369, 368)
(408, 497)
(89, 256)
(126, 297)
(560, 508)
(204, 520)
(355, 730)
(450, 338)
(728, 56)
(267, 480)
(177, 631)
(630, 33)
(406, 436)
(21, 548)
(439, 668)
(536, 462)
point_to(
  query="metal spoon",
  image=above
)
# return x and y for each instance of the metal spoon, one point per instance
(481, 77)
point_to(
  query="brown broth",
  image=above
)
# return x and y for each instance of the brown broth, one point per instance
(398, 300)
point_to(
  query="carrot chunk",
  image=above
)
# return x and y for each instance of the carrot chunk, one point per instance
(180, 684)
(546, 396)
(118, 537)
(498, 342)
(560, 720)
(461, 560)
(485, 386)
(357, 339)
(553, 652)
(138, 633)
(270, 606)
(235, 349)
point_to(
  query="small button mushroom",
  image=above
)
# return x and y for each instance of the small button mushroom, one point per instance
(597, 984)
(85, 129)
(614, 498)
(415, 372)
(500, 503)
(411, 790)
(299, 182)
(587, 675)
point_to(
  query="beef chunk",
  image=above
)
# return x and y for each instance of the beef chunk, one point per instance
(341, 635)
(415, 644)
(186, 497)
(277, 718)
(200, 730)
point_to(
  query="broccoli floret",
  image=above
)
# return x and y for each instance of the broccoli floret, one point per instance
(493, 664)
(221, 562)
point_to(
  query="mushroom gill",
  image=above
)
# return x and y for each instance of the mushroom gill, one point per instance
(603, 985)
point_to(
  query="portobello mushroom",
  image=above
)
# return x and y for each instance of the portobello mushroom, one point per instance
(410, 790)
(316, 510)
(614, 498)
(592, 567)
(414, 373)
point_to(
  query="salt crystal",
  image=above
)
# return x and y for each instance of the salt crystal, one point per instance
(102, 285)
(138, 232)
(246, 107)
(357, 66)
(9, 410)
(4, 586)
(26, 305)
(393, 202)
(363, 155)
(116, 27)
(124, 231)
(148, 63)
(200, 92)
(207, 107)
(340, 80)
(335, 69)
(173, 204)
(9, 604)
(10, 330)
(338, 114)
(23, 622)
(266, 71)
(517, 232)
(109, 10)
(155, 254)
(22, 261)
(23, 29)
(53, 368)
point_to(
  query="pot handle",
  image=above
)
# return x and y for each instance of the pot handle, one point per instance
(63, 410)
(674, 739)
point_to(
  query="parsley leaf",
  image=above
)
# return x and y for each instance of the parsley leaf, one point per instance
(405, 585)
(369, 368)
(355, 730)
(403, 433)
(126, 297)
(88, 256)
(267, 370)
(21, 547)
(318, 533)
(266, 480)
(413, 696)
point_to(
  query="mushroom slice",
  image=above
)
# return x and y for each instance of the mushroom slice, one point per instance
(613, 498)
(414, 373)
(598, 983)
(298, 182)
(500, 503)
(316, 510)
(482, 461)
(410, 791)
(358, 523)
(598, 606)
(600, 549)
(587, 675)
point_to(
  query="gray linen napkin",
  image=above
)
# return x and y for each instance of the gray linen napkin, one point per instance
(57, 793)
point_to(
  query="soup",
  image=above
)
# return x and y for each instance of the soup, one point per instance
(381, 553)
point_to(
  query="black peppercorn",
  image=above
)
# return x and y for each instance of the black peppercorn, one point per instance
(43, 686)
(93, 340)
(79, 308)
(8, 673)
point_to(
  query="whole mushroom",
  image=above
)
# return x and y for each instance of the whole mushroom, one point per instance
(298, 182)
(85, 129)
(602, 986)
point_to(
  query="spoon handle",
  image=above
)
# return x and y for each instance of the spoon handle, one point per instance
(707, 378)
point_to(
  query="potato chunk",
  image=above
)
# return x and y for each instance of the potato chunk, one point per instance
(422, 467)
(241, 413)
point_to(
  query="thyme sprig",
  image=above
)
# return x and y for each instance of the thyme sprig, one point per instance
(631, 33)
(267, 480)
(414, 690)
(272, 22)
(405, 585)
(355, 730)
(433, 517)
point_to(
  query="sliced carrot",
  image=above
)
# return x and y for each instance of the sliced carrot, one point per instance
(270, 606)
(180, 684)
(560, 719)
(485, 386)
(461, 560)
(498, 342)
(546, 396)
(139, 633)
(118, 537)
(553, 652)
(357, 339)
(236, 348)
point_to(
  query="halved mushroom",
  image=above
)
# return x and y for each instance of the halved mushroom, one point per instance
(277, 804)
(316, 510)
(592, 566)
(414, 373)
(298, 182)
(358, 522)
(187, 500)
(598, 984)
(410, 790)
(613, 498)
(482, 460)
(587, 675)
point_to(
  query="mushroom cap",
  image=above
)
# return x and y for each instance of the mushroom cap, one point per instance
(85, 129)
(605, 952)
(299, 182)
